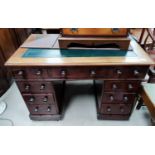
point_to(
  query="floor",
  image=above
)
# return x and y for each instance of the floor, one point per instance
(80, 111)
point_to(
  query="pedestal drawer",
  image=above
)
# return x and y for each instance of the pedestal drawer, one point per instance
(116, 108)
(118, 97)
(43, 109)
(35, 87)
(124, 85)
(44, 99)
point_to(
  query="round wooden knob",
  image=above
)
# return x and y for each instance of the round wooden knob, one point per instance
(49, 109)
(125, 98)
(45, 99)
(20, 72)
(119, 72)
(63, 73)
(121, 109)
(92, 73)
(42, 87)
(111, 98)
(130, 86)
(114, 86)
(27, 87)
(31, 99)
(108, 109)
(36, 109)
(136, 72)
(38, 72)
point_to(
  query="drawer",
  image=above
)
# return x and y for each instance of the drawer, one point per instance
(35, 87)
(44, 99)
(80, 72)
(117, 98)
(43, 109)
(130, 72)
(124, 85)
(116, 108)
(94, 31)
(30, 73)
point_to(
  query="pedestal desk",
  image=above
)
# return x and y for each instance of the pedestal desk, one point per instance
(40, 73)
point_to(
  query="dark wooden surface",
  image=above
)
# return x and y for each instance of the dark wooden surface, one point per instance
(119, 87)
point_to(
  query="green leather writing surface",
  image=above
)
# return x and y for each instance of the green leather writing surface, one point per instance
(54, 53)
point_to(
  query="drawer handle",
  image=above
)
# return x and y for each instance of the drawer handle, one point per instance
(130, 86)
(114, 86)
(36, 109)
(119, 72)
(111, 98)
(20, 72)
(125, 98)
(74, 29)
(92, 73)
(49, 109)
(63, 73)
(45, 99)
(31, 99)
(27, 87)
(136, 72)
(108, 109)
(115, 30)
(38, 72)
(42, 87)
(121, 109)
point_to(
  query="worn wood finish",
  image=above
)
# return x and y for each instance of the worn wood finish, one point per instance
(95, 32)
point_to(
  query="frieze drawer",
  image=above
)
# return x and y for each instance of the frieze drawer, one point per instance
(30, 73)
(80, 72)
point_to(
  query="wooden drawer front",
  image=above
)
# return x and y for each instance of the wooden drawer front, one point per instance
(30, 73)
(80, 72)
(35, 87)
(94, 32)
(130, 72)
(128, 86)
(19, 73)
(116, 108)
(31, 99)
(36, 73)
(126, 98)
(43, 109)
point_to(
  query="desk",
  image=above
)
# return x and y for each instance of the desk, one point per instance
(40, 77)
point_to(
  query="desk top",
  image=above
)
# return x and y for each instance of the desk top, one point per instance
(43, 50)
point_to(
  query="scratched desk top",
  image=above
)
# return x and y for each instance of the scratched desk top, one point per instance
(43, 50)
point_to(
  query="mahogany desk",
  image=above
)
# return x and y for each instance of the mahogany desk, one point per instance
(40, 71)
